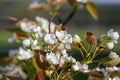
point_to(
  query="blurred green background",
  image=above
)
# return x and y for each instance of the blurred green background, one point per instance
(109, 17)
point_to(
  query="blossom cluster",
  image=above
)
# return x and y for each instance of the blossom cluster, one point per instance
(45, 46)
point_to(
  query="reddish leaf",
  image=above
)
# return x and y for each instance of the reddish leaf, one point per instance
(38, 6)
(56, 2)
(11, 18)
(7, 60)
(21, 36)
(90, 38)
(95, 73)
(41, 61)
(40, 75)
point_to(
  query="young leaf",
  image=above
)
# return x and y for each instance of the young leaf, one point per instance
(16, 30)
(40, 75)
(91, 9)
(97, 74)
(14, 78)
(113, 62)
(114, 73)
(7, 60)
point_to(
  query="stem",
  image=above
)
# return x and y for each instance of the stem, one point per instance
(70, 16)
(55, 46)
(74, 74)
(94, 54)
(35, 64)
(51, 20)
(64, 67)
(81, 53)
(83, 47)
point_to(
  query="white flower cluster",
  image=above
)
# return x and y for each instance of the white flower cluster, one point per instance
(106, 72)
(114, 37)
(113, 55)
(44, 37)
(40, 38)
(18, 72)
(79, 67)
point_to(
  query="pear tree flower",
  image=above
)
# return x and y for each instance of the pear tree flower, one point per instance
(110, 45)
(114, 35)
(64, 37)
(84, 67)
(39, 35)
(76, 39)
(113, 55)
(50, 38)
(24, 54)
(64, 46)
(30, 42)
(12, 39)
(111, 69)
(76, 66)
(35, 29)
(114, 78)
(26, 26)
(7, 68)
(45, 24)
(27, 42)
(52, 58)
(82, 1)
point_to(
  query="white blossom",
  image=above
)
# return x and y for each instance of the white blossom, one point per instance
(12, 39)
(76, 66)
(50, 38)
(24, 54)
(64, 37)
(113, 55)
(35, 29)
(27, 42)
(110, 45)
(30, 42)
(51, 57)
(26, 26)
(84, 67)
(116, 78)
(35, 3)
(113, 35)
(111, 69)
(7, 68)
(45, 24)
(49, 72)
(63, 60)
(39, 35)
(82, 1)
(76, 38)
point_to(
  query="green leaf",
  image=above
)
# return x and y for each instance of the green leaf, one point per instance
(91, 9)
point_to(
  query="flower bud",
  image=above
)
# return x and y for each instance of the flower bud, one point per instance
(90, 38)
(110, 45)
